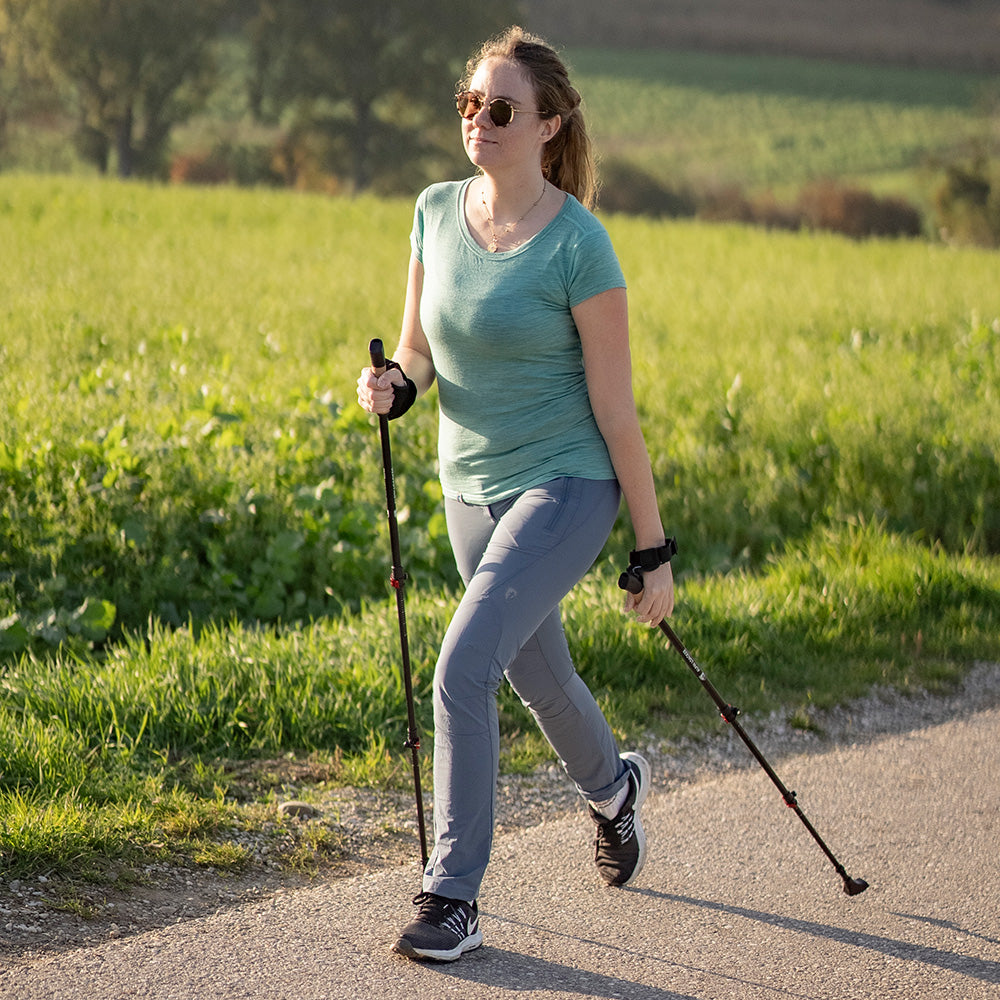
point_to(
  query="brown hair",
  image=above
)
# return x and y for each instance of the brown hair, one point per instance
(568, 159)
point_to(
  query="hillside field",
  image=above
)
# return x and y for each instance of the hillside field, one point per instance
(930, 33)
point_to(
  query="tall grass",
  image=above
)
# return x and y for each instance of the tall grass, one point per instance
(192, 554)
(788, 381)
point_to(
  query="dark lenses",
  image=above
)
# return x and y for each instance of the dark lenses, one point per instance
(469, 105)
(501, 113)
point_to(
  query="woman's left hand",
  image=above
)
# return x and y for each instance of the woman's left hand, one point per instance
(656, 600)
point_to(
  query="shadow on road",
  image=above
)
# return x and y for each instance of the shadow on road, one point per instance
(967, 965)
(516, 971)
(513, 971)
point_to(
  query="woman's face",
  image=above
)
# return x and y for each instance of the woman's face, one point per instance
(517, 144)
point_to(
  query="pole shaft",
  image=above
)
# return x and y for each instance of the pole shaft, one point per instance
(729, 714)
(398, 581)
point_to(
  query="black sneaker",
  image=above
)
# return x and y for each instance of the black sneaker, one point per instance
(620, 848)
(442, 930)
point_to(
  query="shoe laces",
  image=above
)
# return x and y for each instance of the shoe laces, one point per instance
(617, 831)
(439, 910)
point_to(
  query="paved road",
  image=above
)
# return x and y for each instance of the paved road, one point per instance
(736, 901)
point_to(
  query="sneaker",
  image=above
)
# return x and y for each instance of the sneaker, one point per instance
(442, 930)
(620, 848)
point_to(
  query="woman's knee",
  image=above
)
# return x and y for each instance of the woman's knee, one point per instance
(466, 678)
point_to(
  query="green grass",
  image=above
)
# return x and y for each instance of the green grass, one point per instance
(777, 123)
(193, 557)
(799, 378)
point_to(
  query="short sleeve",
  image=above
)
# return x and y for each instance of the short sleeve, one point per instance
(417, 232)
(595, 267)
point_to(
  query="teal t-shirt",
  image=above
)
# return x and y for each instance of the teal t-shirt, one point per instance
(514, 406)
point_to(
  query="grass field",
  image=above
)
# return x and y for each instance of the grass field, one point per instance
(193, 556)
(193, 564)
(780, 122)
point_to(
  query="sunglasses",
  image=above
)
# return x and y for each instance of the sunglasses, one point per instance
(501, 112)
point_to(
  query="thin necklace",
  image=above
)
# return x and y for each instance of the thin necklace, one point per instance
(495, 237)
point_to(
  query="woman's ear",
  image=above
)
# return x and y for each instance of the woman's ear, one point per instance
(550, 127)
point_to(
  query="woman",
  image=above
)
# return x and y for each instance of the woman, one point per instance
(516, 304)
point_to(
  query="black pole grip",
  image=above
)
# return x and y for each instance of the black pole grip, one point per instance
(631, 580)
(377, 354)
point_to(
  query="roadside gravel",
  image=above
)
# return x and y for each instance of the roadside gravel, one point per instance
(379, 828)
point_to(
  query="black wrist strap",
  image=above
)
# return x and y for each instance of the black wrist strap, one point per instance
(650, 559)
(403, 396)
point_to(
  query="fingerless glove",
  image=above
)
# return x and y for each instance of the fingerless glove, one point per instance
(403, 396)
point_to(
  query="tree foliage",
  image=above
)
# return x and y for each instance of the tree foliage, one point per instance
(358, 91)
(369, 84)
(24, 84)
(134, 69)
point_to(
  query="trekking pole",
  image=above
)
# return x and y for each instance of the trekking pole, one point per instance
(398, 581)
(631, 580)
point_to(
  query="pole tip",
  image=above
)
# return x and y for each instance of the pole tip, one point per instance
(854, 886)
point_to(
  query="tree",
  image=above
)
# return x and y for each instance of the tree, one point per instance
(10, 14)
(370, 81)
(24, 86)
(135, 69)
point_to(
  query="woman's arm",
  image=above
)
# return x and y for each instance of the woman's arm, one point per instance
(603, 325)
(413, 355)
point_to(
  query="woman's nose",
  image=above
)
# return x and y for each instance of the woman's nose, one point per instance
(481, 119)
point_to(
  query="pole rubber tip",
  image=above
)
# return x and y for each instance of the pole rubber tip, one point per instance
(854, 886)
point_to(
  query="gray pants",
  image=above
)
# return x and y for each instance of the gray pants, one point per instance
(519, 558)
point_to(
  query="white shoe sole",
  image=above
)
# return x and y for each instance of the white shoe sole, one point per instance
(405, 948)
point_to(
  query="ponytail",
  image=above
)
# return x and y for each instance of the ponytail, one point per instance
(568, 160)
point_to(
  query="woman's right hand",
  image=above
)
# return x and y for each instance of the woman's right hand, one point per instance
(375, 392)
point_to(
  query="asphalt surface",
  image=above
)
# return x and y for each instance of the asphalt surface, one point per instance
(736, 901)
